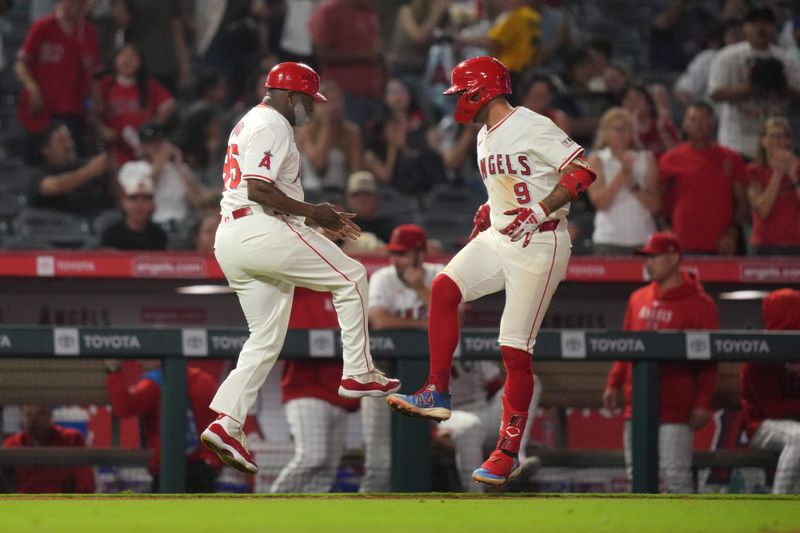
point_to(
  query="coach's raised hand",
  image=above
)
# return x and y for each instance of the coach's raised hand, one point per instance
(338, 222)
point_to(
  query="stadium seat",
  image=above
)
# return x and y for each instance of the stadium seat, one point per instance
(44, 228)
(398, 206)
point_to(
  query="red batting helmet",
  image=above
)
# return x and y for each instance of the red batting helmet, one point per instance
(295, 77)
(478, 79)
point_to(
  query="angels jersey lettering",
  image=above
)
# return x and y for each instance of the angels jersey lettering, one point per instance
(521, 159)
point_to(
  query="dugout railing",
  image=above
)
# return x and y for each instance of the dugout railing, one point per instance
(408, 350)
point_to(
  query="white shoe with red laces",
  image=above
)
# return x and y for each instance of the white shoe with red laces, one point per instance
(231, 450)
(374, 384)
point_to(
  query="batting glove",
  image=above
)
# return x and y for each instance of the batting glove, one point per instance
(527, 221)
(481, 220)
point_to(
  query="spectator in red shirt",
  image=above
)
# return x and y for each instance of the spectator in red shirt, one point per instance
(674, 300)
(38, 430)
(773, 188)
(314, 409)
(54, 66)
(126, 99)
(144, 400)
(347, 41)
(771, 396)
(703, 187)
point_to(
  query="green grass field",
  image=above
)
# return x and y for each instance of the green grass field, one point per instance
(430, 513)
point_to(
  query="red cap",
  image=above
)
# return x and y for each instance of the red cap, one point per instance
(406, 238)
(660, 243)
(781, 310)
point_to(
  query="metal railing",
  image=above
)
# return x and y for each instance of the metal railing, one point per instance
(408, 350)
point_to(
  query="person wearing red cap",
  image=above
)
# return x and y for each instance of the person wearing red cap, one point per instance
(770, 395)
(265, 246)
(399, 295)
(673, 300)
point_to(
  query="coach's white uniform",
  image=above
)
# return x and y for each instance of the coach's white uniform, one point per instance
(520, 159)
(265, 254)
(387, 291)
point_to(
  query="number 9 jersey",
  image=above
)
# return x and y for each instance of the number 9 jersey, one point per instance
(521, 159)
(261, 147)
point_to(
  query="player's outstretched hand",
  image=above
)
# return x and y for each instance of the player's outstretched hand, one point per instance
(527, 220)
(338, 223)
(482, 220)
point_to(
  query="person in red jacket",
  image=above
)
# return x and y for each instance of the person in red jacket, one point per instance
(674, 300)
(771, 396)
(38, 430)
(144, 400)
(315, 411)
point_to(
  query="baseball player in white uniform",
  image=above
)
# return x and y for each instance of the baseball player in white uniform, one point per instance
(265, 249)
(399, 295)
(532, 170)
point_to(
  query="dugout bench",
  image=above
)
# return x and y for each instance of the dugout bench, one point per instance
(567, 385)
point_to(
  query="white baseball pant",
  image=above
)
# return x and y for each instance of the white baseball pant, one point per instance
(376, 426)
(467, 433)
(674, 456)
(264, 257)
(491, 262)
(318, 430)
(464, 428)
(490, 413)
(782, 436)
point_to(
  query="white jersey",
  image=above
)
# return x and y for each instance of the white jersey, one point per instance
(261, 146)
(521, 159)
(387, 291)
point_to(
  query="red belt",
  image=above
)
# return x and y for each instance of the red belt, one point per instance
(547, 225)
(241, 212)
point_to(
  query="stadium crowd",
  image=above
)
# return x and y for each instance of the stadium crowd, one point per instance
(107, 89)
(121, 111)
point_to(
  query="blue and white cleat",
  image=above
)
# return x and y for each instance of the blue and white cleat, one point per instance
(425, 403)
(498, 469)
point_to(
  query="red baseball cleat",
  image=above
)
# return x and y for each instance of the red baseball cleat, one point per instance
(231, 450)
(499, 468)
(374, 384)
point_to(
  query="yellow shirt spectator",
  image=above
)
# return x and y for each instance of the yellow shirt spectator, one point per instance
(516, 35)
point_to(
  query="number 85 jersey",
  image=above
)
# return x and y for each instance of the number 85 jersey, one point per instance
(521, 159)
(261, 146)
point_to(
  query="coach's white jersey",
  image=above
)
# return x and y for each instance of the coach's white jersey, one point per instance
(261, 146)
(387, 291)
(521, 159)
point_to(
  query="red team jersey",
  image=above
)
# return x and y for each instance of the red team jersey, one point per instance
(144, 400)
(699, 177)
(314, 379)
(52, 479)
(769, 391)
(123, 108)
(782, 225)
(683, 385)
(62, 63)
